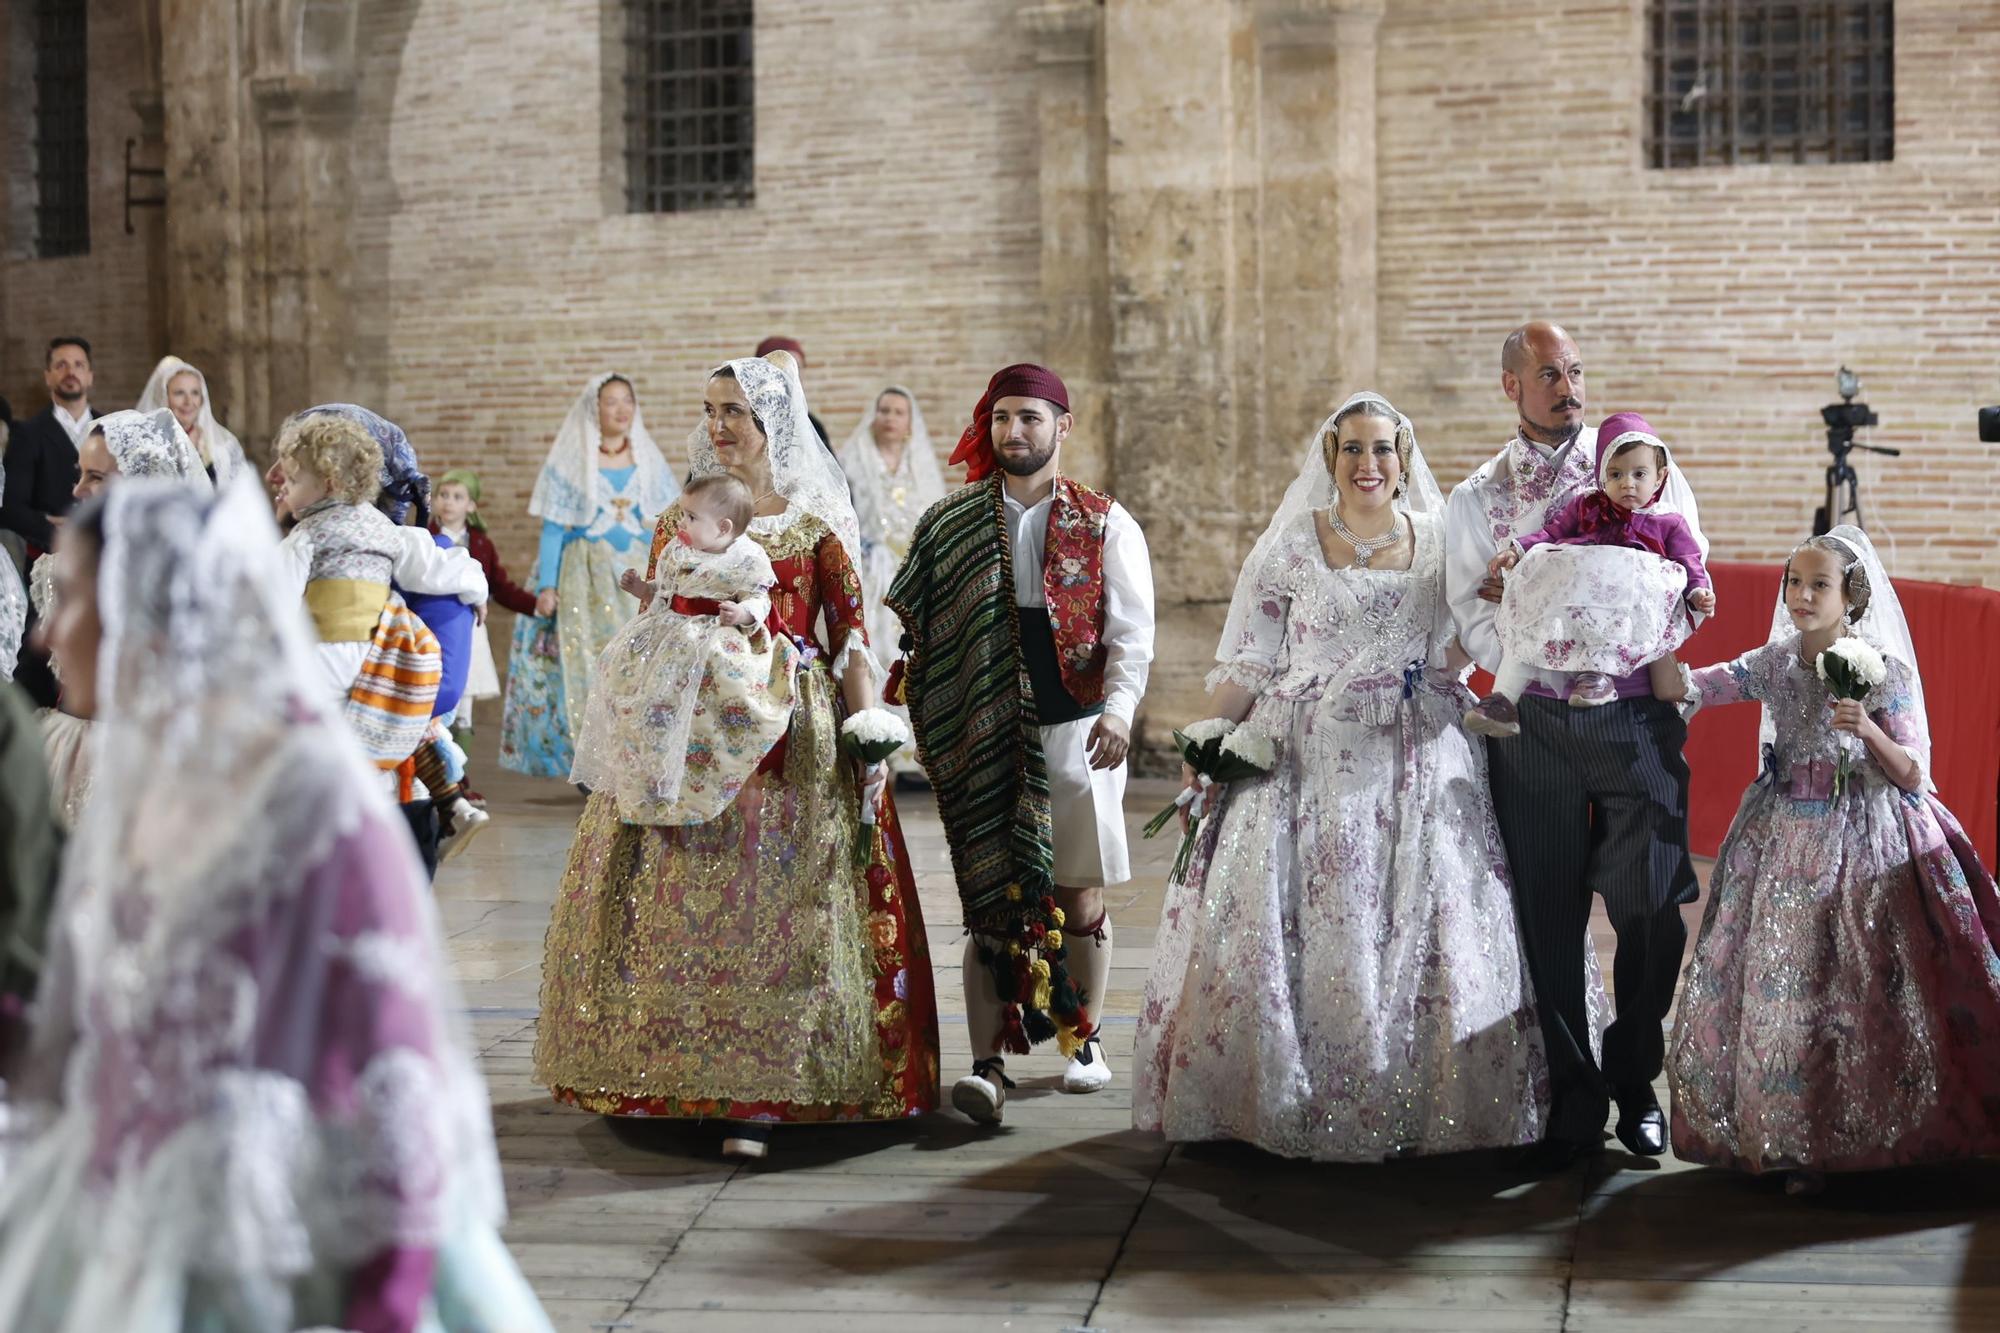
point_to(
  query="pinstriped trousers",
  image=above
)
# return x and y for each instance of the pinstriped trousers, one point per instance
(1594, 801)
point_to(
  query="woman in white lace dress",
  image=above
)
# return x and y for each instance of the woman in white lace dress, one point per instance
(249, 1102)
(893, 475)
(1339, 978)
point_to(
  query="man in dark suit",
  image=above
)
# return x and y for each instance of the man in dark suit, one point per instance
(41, 478)
(41, 455)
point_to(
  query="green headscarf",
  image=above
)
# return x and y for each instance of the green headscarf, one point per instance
(466, 477)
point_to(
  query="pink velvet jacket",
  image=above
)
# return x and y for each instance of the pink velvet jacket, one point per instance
(1665, 534)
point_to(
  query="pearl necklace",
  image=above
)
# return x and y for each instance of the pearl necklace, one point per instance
(1365, 548)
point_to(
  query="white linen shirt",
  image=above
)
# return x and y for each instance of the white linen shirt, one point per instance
(1128, 595)
(77, 427)
(1470, 542)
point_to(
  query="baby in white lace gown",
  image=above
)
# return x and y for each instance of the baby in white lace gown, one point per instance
(1604, 588)
(690, 698)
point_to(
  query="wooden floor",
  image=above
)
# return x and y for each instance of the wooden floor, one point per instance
(1068, 1219)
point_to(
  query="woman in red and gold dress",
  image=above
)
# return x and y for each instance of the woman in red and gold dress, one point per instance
(750, 969)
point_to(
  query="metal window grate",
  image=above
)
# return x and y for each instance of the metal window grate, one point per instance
(62, 132)
(1770, 81)
(690, 111)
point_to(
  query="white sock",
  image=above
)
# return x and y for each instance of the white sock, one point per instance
(1511, 679)
(1090, 965)
(983, 1019)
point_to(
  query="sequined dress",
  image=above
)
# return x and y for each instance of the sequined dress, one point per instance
(1341, 979)
(747, 968)
(548, 673)
(1842, 1011)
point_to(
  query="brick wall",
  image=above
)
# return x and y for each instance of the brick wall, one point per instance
(895, 231)
(1717, 301)
(104, 295)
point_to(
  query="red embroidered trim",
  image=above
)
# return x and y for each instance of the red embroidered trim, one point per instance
(1073, 585)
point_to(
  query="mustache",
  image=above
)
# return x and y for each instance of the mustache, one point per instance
(1566, 404)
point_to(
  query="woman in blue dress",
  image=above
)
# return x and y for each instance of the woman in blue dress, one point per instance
(601, 487)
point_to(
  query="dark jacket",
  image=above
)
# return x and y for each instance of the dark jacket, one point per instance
(41, 476)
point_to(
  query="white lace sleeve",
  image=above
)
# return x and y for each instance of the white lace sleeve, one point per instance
(854, 649)
(1690, 703)
(1252, 660)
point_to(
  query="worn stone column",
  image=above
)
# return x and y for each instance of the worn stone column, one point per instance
(302, 93)
(201, 56)
(301, 265)
(1170, 173)
(260, 109)
(150, 152)
(1319, 201)
(1075, 299)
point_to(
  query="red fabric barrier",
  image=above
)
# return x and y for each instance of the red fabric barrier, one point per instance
(1957, 634)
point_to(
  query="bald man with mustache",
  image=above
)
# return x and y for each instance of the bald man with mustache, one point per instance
(1589, 800)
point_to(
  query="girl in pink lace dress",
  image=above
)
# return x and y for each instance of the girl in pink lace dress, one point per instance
(1842, 1012)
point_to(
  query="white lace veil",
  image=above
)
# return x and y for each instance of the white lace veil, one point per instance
(1607, 449)
(180, 960)
(1883, 625)
(13, 608)
(566, 492)
(862, 462)
(152, 444)
(218, 446)
(802, 469)
(1314, 490)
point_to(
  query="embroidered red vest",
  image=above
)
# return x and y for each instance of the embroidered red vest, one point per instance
(1073, 584)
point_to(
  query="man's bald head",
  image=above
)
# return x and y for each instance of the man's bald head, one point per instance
(1531, 344)
(1541, 372)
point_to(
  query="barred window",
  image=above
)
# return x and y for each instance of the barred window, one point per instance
(1770, 81)
(690, 113)
(62, 139)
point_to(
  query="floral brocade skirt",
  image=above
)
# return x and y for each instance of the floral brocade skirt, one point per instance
(749, 968)
(1842, 1009)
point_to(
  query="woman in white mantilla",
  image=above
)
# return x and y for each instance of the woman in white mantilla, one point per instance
(183, 390)
(892, 471)
(118, 445)
(249, 1102)
(768, 964)
(600, 489)
(1339, 976)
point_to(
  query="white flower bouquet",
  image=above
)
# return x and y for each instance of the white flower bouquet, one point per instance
(1219, 752)
(1849, 668)
(871, 735)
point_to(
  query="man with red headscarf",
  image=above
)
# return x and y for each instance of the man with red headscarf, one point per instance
(777, 342)
(1027, 607)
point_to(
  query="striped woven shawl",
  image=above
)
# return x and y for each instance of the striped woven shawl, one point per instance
(972, 708)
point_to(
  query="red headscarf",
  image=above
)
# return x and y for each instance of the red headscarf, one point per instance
(776, 343)
(1026, 380)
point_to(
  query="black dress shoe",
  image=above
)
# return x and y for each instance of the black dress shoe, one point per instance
(1642, 1126)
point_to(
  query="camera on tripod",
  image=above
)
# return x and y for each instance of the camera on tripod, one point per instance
(1843, 484)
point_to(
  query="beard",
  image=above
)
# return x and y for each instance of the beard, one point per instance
(1028, 464)
(1553, 433)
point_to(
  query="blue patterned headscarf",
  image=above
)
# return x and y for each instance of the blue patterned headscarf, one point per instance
(403, 484)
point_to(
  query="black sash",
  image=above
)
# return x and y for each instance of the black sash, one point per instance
(1054, 704)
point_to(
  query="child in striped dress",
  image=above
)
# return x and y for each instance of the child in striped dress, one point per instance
(343, 553)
